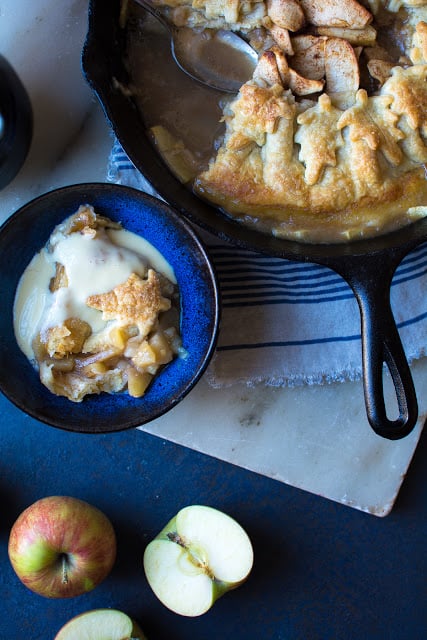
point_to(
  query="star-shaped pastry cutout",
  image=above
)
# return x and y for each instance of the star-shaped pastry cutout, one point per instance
(135, 302)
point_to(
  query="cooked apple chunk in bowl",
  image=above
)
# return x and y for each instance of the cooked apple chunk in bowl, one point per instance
(110, 308)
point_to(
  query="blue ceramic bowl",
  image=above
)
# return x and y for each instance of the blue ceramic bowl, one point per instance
(27, 231)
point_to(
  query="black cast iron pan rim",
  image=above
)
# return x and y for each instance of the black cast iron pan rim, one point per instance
(367, 265)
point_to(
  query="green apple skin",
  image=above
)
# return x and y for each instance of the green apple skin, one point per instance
(193, 559)
(101, 624)
(62, 547)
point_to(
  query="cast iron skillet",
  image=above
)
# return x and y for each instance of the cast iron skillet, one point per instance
(368, 266)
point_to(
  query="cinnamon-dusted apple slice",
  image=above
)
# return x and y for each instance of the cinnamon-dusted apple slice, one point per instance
(376, 52)
(380, 69)
(286, 13)
(302, 86)
(342, 68)
(336, 13)
(273, 68)
(282, 38)
(309, 56)
(379, 62)
(365, 37)
(267, 71)
(303, 42)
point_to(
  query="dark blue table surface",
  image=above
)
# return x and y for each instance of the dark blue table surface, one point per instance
(321, 571)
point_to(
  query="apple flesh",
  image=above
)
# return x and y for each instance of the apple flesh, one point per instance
(201, 554)
(101, 624)
(61, 547)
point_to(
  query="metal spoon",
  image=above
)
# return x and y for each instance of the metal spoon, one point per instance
(219, 59)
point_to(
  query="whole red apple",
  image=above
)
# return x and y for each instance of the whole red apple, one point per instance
(61, 547)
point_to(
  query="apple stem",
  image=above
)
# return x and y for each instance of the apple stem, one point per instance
(64, 570)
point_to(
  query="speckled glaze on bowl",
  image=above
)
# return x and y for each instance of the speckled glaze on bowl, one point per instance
(27, 231)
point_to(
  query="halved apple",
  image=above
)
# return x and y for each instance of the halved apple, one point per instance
(101, 624)
(201, 554)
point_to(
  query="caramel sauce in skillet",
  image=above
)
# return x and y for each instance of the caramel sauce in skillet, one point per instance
(217, 61)
(168, 97)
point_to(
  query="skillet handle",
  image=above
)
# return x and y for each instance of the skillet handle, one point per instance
(381, 345)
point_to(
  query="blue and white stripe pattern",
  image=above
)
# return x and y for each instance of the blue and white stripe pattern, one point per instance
(288, 323)
(250, 279)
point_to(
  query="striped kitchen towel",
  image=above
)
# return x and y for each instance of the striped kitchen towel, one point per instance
(290, 323)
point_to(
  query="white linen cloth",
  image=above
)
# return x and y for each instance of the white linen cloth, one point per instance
(290, 323)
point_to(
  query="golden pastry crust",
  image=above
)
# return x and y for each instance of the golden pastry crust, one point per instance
(67, 338)
(340, 158)
(136, 302)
